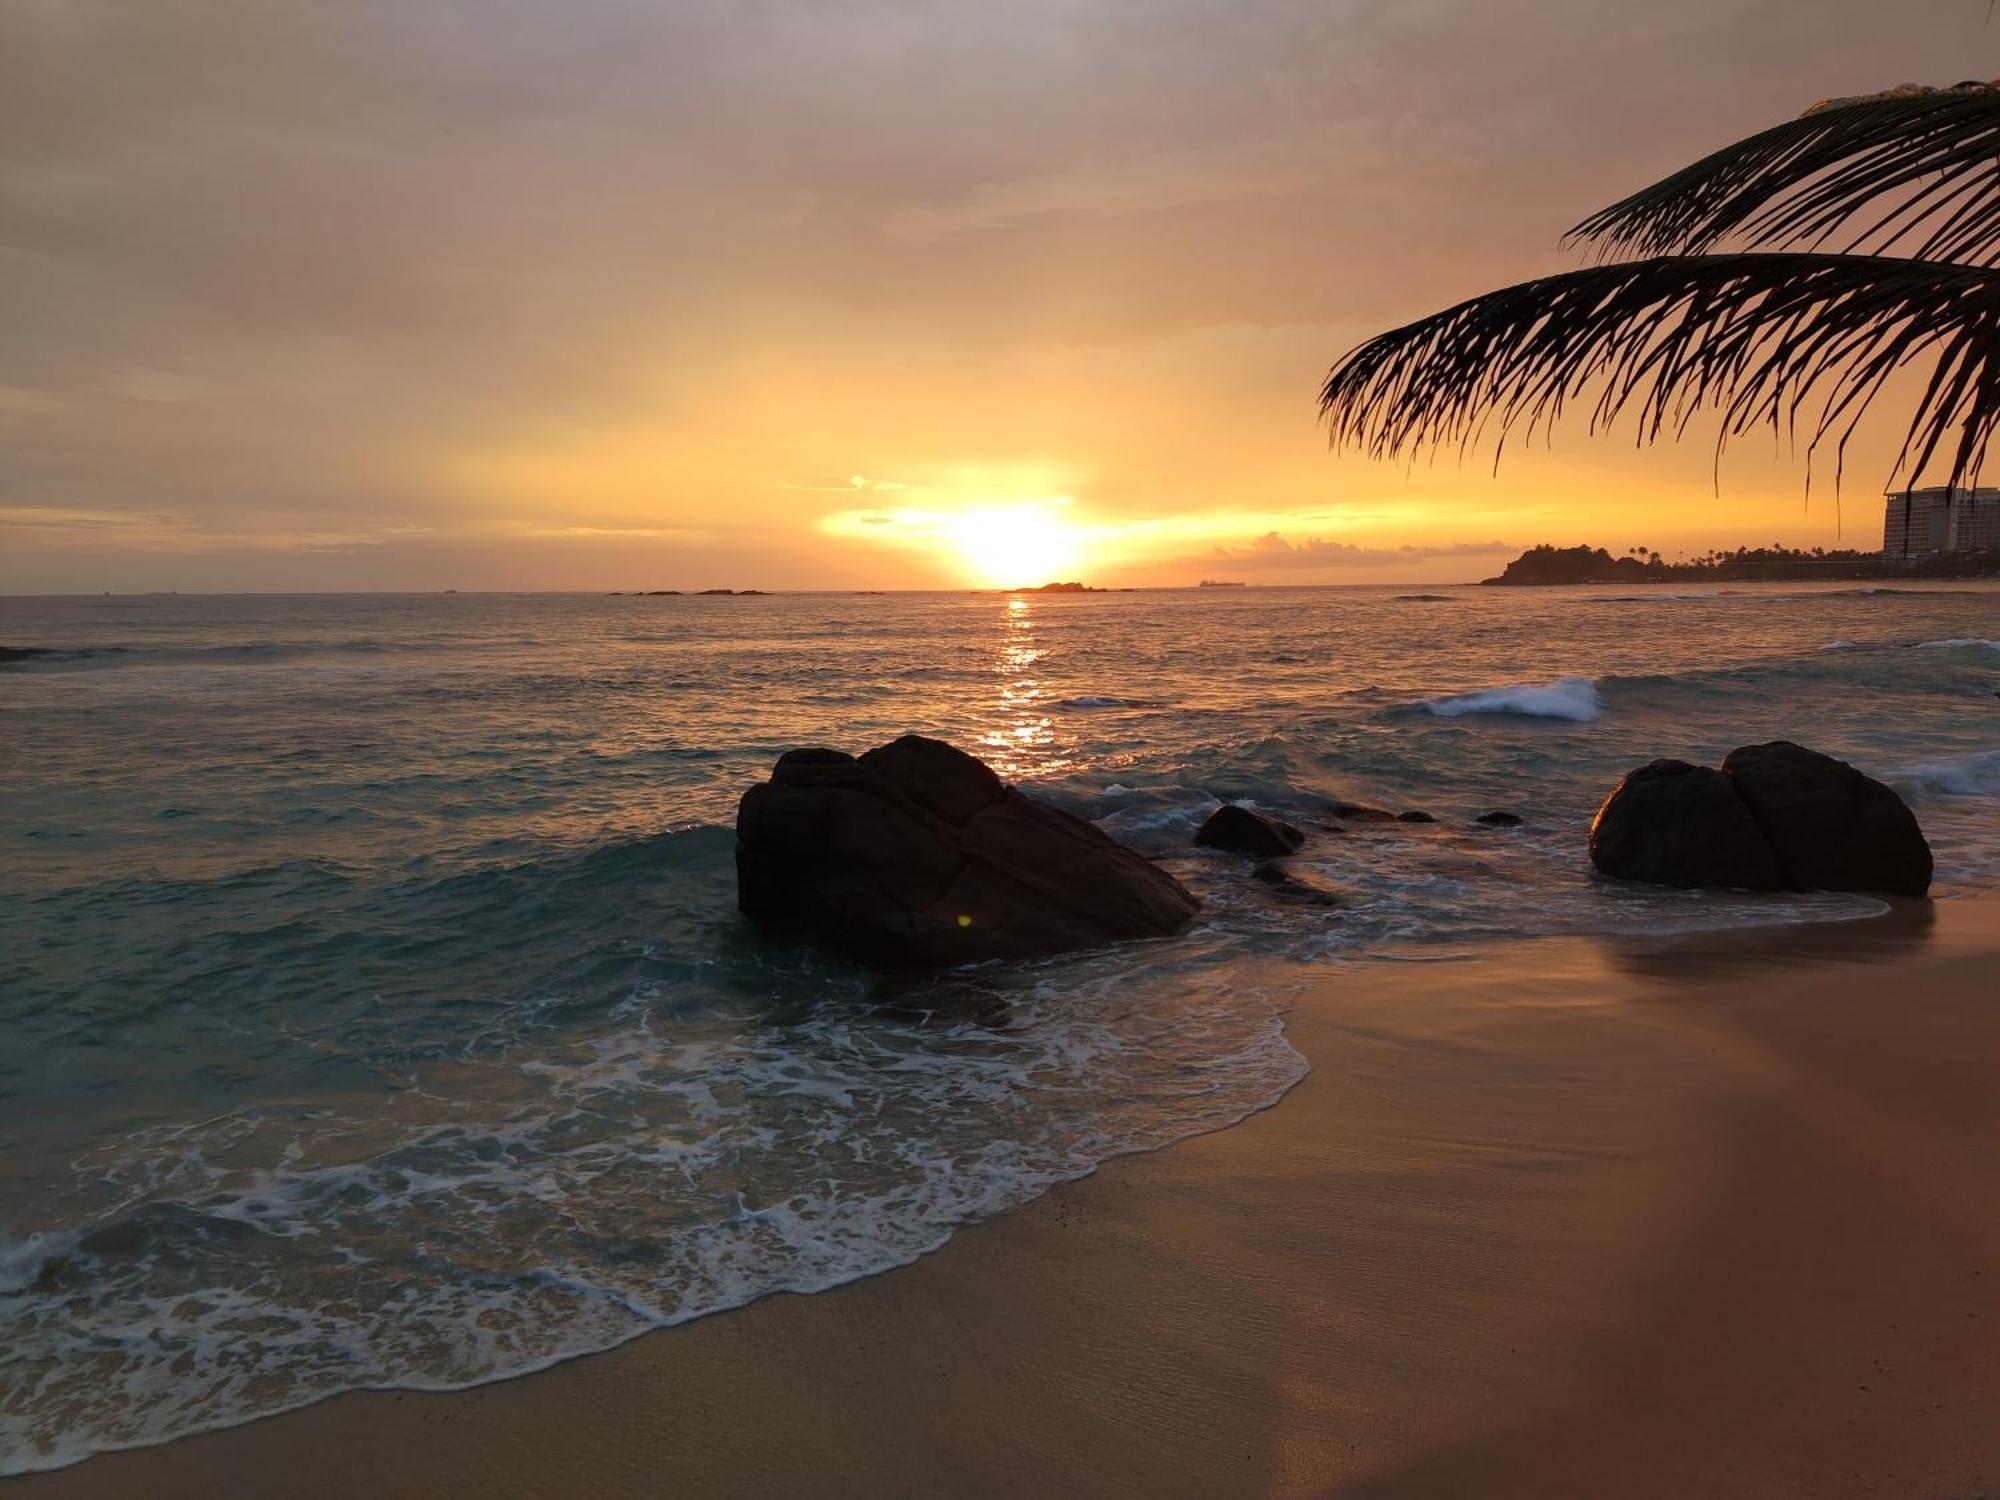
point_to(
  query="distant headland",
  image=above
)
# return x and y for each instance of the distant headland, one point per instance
(1774, 564)
(1066, 588)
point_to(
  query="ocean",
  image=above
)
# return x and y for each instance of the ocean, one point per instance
(374, 1009)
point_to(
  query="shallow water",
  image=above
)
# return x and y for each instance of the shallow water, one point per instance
(374, 1010)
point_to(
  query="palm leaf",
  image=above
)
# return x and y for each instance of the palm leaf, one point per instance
(1913, 169)
(1761, 338)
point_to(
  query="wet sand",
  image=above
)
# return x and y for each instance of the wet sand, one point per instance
(1568, 1217)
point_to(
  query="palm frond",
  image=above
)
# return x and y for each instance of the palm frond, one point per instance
(1762, 338)
(1915, 170)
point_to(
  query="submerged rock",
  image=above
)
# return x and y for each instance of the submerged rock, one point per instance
(1774, 817)
(1499, 819)
(916, 855)
(1355, 812)
(1242, 831)
(1289, 885)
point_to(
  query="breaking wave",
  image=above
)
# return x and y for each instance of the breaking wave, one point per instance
(1572, 698)
(1976, 775)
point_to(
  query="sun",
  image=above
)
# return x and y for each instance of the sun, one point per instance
(1016, 546)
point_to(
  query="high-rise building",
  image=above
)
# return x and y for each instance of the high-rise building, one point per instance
(1916, 523)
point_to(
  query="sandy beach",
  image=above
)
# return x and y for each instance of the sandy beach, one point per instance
(1565, 1217)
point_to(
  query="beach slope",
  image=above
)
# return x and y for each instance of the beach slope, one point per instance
(1563, 1217)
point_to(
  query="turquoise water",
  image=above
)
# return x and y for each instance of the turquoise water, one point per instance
(374, 1009)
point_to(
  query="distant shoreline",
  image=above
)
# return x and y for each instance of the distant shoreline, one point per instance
(1546, 566)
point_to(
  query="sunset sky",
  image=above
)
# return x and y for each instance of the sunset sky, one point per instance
(347, 294)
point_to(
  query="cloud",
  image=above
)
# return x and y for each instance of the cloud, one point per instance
(67, 518)
(1272, 551)
(291, 268)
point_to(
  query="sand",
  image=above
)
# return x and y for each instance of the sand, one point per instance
(1566, 1217)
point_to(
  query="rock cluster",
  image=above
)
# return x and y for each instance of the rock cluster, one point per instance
(1773, 817)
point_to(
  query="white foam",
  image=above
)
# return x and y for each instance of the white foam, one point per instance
(22, 1259)
(1975, 775)
(562, 1201)
(1573, 698)
(1958, 643)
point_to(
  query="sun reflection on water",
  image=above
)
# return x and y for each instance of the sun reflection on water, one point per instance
(1022, 743)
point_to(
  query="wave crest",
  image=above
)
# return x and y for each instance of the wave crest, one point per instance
(1572, 698)
(1975, 775)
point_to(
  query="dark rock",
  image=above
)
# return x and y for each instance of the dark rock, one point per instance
(1671, 823)
(1354, 812)
(1414, 815)
(1775, 817)
(1241, 831)
(1291, 886)
(917, 855)
(1833, 828)
(1499, 819)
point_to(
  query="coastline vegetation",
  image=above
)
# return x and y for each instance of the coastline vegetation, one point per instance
(1548, 564)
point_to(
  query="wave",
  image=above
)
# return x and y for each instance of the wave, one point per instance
(1958, 643)
(1974, 775)
(1425, 598)
(1573, 698)
(1097, 702)
(794, 1133)
(1658, 597)
(51, 656)
(1862, 593)
(91, 658)
(24, 1261)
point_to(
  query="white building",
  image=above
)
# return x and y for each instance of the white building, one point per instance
(1916, 523)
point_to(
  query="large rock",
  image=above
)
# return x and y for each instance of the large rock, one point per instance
(1833, 828)
(1775, 817)
(1671, 823)
(1242, 831)
(916, 855)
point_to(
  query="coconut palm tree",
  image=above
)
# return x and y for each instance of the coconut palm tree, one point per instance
(1855, 241)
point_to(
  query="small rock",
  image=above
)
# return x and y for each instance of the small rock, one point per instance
(1415, 816)
(1291, 886)
(1355, 812)
(1242, 831)
(1499, 819)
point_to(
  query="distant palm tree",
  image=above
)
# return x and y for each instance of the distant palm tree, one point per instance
(1783, 328)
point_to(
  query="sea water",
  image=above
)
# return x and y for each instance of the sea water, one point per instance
(374, 1009)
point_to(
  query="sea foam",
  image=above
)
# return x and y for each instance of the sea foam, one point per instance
(1573, 698)
(1975, 775)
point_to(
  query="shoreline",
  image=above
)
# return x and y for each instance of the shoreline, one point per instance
(1704, 1215)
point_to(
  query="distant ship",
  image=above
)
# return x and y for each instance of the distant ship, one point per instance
(1223, 583)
